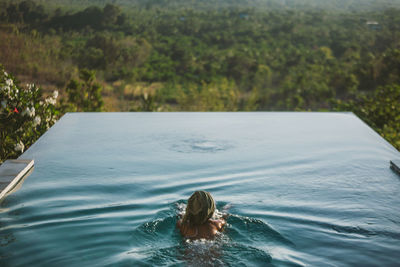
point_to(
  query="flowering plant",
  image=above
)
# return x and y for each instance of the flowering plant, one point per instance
(25, 114)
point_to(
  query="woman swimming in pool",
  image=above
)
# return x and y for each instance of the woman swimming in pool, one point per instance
(197, 222)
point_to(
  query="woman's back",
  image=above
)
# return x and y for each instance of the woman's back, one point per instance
(207, 230)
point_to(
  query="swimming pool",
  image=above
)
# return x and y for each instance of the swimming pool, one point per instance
(300, 188)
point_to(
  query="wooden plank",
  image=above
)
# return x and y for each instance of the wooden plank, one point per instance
(11, 173)
(395, 165)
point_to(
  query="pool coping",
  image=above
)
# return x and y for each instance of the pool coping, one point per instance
(395, 166)
(11, 173)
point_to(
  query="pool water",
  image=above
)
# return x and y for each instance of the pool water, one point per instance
(300, 189)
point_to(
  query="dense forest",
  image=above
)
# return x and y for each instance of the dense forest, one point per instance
(336, 5)
(222, 55)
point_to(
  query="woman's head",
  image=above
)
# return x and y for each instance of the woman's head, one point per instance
(200, 208)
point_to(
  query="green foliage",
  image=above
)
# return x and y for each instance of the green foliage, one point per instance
(381, 110)
(25, 12)
(92, 17)
(337, 5)
(147, 103)
(116, 56)
(25, 114)
(84, 94)
(222, 95)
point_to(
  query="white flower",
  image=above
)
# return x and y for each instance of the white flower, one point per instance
(5, 74)
(4, 103)
(19, 147)
(32, 112)
(29, 111)
(36, 121)
(9, 82)
(55, 94)
(50, 100)
(6, 89)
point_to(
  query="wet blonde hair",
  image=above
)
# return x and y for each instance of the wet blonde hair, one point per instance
(200, 208)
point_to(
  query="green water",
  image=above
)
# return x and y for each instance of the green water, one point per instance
(301, 189)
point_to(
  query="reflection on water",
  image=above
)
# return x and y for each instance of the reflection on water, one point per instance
(302, 189)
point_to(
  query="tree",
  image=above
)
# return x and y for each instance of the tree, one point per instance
(221, 95)
(84, 94)
(380, 110)
(111, 14)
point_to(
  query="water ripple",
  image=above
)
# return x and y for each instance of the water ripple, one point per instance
(201, 145)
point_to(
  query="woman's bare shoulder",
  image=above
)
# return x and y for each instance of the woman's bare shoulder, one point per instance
(219, 224)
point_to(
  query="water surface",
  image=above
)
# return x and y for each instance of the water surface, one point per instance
(300, 188)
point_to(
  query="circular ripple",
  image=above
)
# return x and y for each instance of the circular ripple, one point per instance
(200, 146)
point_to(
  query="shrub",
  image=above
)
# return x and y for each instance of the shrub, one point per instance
(84, 94)
(380, 110)
(25, 114)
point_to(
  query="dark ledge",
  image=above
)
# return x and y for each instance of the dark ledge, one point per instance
(11, 173)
